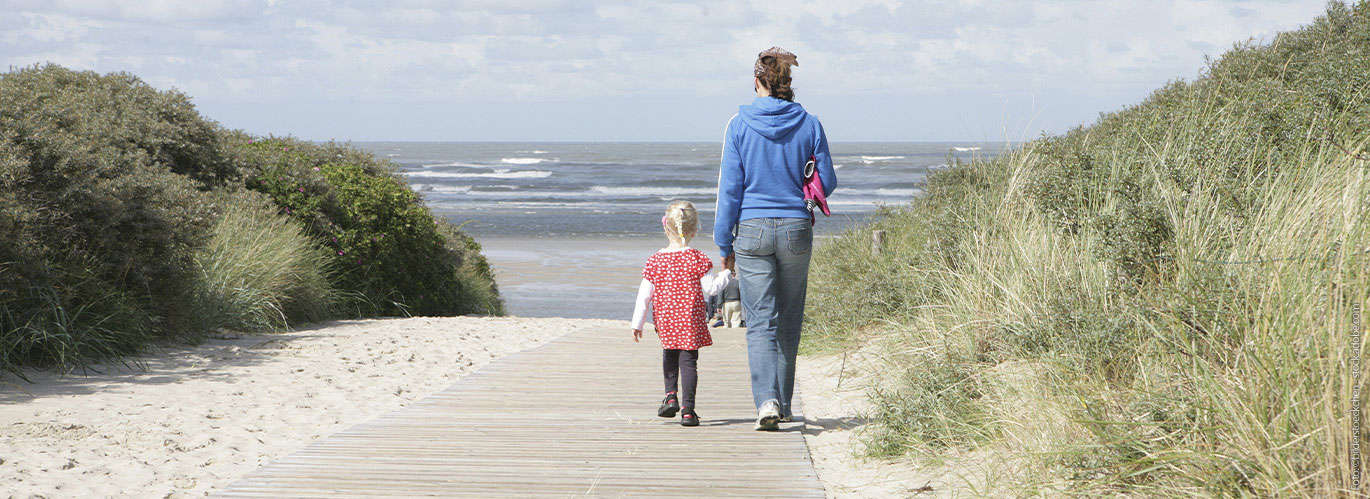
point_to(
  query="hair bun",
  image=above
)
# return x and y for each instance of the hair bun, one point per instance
(776, 54)
(773, 69)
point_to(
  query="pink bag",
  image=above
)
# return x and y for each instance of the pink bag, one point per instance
(813, 191)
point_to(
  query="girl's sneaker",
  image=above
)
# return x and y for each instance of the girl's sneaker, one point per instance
(669, 406)
(689, 418)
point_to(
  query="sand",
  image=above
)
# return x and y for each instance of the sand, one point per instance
(572, 277)
(833, 390)
(201, 416)
(576, 277)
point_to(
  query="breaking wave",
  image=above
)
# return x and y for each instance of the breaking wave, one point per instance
(495, 174)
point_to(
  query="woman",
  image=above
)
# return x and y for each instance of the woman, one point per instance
(762, 223)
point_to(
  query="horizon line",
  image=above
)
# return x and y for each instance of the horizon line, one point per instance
(646, 141)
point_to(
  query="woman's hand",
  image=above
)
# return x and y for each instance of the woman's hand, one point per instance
(637, 335)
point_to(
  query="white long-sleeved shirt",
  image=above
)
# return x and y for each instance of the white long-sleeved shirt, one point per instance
(710, 284)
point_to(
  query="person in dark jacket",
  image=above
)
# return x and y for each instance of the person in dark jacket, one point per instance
(762, 224)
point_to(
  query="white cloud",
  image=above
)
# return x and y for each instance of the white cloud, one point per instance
(158, 10)
(50, 28)
(429, 51)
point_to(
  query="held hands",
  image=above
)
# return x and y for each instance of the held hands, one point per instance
(728, 262)
(637, 335)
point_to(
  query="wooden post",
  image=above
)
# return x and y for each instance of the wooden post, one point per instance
(877, 242)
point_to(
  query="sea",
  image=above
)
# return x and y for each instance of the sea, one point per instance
(567, 225)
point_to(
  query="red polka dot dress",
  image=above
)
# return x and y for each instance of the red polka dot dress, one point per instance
(677, 300)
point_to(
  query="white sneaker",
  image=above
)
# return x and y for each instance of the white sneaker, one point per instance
(768, 417)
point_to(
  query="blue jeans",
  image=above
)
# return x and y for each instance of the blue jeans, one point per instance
(773, 272)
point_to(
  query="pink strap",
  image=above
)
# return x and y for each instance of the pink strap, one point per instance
(813, 193)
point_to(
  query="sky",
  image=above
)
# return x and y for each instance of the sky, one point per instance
(554, 70)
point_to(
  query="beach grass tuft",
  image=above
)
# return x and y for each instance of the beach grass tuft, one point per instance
(259, 271)
(1162, 303)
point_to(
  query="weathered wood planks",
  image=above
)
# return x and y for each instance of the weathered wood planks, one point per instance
(575, 417)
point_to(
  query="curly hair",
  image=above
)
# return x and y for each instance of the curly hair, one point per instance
(773, 70)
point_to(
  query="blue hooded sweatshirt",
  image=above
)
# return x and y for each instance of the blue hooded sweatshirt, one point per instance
(762, 173)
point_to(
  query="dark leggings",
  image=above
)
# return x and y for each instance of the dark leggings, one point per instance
(681, 365)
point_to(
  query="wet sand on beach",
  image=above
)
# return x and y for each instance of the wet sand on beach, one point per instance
(573, 277)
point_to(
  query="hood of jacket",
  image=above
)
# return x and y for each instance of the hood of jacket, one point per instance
(771, 117)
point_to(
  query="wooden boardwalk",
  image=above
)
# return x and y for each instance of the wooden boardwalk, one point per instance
(574, 417)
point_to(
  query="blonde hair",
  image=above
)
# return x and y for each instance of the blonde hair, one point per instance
(683, 221)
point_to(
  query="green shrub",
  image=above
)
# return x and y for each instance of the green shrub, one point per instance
(386, 245)
(476, 279)
(124, 220)
(101, 179)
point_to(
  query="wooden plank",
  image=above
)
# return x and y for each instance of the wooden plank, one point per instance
(576, 416)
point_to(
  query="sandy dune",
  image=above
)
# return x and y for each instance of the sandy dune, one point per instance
(201, 416)
(834, 391)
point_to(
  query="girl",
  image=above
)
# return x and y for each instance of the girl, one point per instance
(674, 283)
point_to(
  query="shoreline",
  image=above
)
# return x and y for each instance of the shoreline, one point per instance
(591, 277)
(536, 275)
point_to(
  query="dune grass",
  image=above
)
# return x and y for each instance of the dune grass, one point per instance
(1160, 304)
(259, 272)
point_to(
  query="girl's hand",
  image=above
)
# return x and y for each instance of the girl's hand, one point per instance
(637, 334)
(728, 262)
